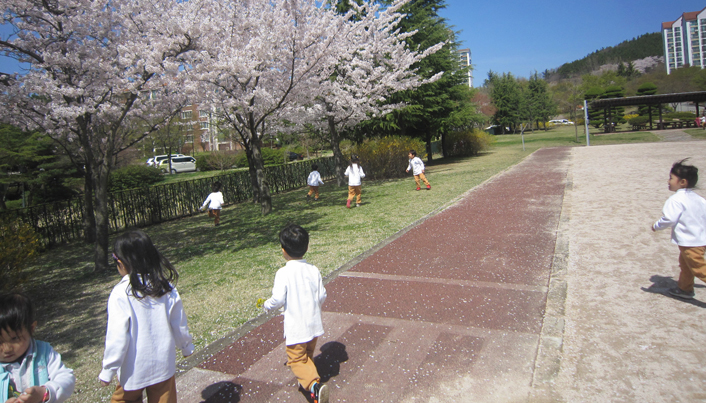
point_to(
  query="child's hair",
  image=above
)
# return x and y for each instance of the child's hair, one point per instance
(151, 274)
(354, 160)
(314, 167)
(216, 187)
(414, 153)
(294, 240)
(684, 171)
(16, 312)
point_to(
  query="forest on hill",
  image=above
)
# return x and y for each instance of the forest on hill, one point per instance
(643, 46)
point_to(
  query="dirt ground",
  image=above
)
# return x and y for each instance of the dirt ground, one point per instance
(624, 340)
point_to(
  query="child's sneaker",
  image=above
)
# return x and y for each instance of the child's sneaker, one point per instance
(319, 393)
(316, 199)
(419, 188)
(428, 187)
(308, 197)
(678, 292)
(357, 204)
(348, 203)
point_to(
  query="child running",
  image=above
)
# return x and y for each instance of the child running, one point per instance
(314, 181)
(355, 173)
(299, 289)
(146, 322)
(30, 370)
(685, 213)
(417, 166)
(215, 203)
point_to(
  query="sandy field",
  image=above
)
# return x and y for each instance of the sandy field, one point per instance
(624, 339)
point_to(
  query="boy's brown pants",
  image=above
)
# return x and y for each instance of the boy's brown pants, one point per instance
(163, 392)
(313, 190)
(422, 177)
(300, 361)
(692, 264)
(215, 213)
(354, 192)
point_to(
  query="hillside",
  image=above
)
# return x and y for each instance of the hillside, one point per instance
(647, 49)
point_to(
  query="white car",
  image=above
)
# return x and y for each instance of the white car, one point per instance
(179, 164)
(561, 122)
(159, 158)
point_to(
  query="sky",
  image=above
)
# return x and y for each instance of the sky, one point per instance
(521, 37)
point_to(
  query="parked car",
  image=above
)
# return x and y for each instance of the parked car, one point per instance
(561, 122)
(159, 158)
(179, 164)
(294, 156)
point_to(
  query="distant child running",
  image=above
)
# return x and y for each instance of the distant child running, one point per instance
(299, 289)
(30, 370)
(355, 173)
(215, 203)
(314, 181)
(417, 167)
(685, 213)
(146, 322)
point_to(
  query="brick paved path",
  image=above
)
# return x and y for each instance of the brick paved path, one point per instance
(451, 308)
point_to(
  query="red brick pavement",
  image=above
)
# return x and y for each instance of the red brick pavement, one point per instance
(455, 302)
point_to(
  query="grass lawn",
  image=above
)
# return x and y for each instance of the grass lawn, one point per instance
(223, 270)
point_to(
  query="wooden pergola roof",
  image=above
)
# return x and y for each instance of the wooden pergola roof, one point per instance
(697, 96)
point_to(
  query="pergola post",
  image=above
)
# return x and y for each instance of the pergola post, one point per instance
(649, 110)
(661, 124)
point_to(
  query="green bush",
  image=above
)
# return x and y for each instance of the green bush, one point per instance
(18, 246)
(678, 115)
(467, 143)
(639, 120)
(220, 160)
(270, 156)
(133, 176)
(387, 157)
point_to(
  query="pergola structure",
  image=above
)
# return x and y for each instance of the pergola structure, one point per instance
(649, 100)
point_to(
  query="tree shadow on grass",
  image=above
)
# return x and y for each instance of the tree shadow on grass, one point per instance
(662, 285)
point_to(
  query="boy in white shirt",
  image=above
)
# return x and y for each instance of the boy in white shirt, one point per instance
(215, 203)
(685, 213)
(299, 289)
(417, 167)
(314, 180)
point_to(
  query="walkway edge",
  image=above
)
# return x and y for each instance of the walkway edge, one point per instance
(551, 339)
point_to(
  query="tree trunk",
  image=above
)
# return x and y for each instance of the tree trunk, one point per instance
(430, 157)
(89, 218)
(100, 180)
(338, 159)
(3, 193)
(261, 182)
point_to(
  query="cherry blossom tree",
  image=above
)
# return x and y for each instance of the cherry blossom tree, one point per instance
(260, 64)
(374, 62)
(102, 75)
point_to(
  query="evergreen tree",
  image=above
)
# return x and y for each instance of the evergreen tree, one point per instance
(646, 89)
(432, 108)
(595, 115)
(507, 97)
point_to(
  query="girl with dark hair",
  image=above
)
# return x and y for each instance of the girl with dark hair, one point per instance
(146, 322)
(355, 173)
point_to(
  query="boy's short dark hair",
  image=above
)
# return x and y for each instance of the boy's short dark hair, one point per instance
(16, 312)
(294, 240)
(314, 167)
(216, 186)
(414, 153)
(684, 171)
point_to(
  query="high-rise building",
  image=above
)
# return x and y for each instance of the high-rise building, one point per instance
(464, 56)
(684, 41)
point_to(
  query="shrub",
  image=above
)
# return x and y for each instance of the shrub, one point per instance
(220, 160)
(630, 116)
(678, 115)
(133, 176)
(467, 143)
(18, 245)
(269, 156)
(638, 120)
(387, 157)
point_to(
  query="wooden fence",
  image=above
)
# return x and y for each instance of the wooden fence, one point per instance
(61, 222)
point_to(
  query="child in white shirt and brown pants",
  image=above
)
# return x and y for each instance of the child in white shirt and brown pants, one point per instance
(685, 213)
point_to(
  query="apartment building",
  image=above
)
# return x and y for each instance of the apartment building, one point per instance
(684, 41)
(464, 56)
(202, 131)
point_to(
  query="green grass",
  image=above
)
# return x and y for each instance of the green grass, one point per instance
(223, 270)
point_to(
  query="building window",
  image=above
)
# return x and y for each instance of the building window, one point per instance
(204, 125)
(203, 114)
(186, 115)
